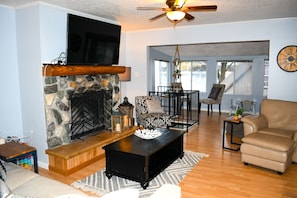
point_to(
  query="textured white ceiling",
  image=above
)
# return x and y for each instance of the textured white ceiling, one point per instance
(125, 13)
(131, 19)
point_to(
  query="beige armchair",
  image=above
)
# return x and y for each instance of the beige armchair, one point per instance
(270, 138)
(215, 97)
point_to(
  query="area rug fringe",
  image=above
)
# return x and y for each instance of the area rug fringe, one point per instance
(196, 153)
(99, 184)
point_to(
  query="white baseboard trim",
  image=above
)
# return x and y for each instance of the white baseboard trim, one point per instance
(43, 165)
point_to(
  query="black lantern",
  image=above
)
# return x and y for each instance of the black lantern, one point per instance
(127, 109)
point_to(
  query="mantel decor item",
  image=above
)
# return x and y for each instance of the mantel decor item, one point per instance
(127, 109)
(147, 134)
(287, 58)
(238, 114)
(117, 122)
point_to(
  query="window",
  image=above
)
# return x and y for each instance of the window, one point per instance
(193, 75)
(236, 75)
(161, 74)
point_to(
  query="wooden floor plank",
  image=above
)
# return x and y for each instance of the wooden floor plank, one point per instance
(222, 174)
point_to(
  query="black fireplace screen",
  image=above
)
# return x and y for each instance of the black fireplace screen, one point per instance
(87, 113)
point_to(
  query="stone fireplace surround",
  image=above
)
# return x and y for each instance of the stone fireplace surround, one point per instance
(57, 92)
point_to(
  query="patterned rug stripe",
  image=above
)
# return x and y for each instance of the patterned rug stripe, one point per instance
(99, 184)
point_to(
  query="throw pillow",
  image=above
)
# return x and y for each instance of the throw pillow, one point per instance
(154, 106)
(214, 93)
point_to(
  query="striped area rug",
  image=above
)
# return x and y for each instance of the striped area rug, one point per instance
(99, 184)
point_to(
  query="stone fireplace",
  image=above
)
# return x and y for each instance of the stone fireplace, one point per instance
(58, 91)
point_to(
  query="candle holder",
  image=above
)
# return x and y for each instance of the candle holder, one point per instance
(117, 122)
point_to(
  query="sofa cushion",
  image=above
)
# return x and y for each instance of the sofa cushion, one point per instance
(266, 153)
(269, 141)
(16, 176)
(278, 132)
(278, 166)
(207, 101)
(45, 188)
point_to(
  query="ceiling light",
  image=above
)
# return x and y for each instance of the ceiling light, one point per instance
(175, 15)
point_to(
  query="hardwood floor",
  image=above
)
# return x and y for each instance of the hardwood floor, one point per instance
(222, 174)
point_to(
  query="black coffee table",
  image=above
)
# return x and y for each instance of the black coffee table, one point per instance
(141, 160)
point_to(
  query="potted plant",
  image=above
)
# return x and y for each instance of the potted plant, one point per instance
(238, 114)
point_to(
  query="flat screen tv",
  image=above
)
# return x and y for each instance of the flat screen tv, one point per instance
(92, 42)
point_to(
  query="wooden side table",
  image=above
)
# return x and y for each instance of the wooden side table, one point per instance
(12, 151)
(231, 121)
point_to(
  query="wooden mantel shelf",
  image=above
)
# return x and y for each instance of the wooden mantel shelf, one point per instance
(72, 70)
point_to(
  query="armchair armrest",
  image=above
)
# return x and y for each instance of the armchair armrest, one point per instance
(253, 124)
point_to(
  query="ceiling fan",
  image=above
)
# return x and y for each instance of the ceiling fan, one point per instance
(176, 10)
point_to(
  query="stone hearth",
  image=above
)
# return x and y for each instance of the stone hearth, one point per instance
(57, 92)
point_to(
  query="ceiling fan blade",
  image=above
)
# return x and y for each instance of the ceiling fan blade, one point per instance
(189, 17)
(158, 16)
(151, 8)
(201, 8)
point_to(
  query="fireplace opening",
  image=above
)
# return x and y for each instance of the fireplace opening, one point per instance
(87, 113)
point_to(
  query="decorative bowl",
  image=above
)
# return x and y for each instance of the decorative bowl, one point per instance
(147, 133)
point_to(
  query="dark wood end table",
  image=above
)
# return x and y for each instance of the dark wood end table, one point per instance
(231, 121)
(12, 151)
(141, 160)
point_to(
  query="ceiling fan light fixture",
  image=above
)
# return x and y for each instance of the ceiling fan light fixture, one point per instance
(175, 15)
(179, 3)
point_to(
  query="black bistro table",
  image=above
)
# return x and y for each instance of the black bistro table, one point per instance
(140, 159)
(231, 121)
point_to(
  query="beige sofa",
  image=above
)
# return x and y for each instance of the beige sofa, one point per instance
(270, 138)
(22, 183)
(25, 183)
